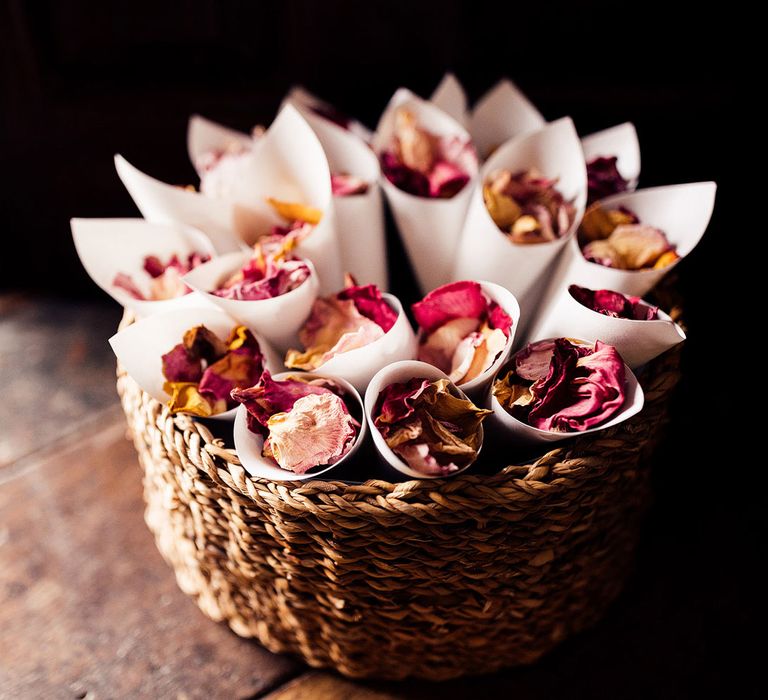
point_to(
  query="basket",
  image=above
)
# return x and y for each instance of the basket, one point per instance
(428, 579)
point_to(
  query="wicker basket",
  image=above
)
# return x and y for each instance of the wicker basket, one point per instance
(427, 579)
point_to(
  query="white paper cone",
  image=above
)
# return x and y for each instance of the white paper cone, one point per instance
(205, 136)
(430, 228)
(521, 433)
(484, 252)
(140, 347)
(300, 97)
(288, 164)
(620, 141)
(449, 96)
(638, 342)
(504, 112)
(249, 445)
(107, 247)
(359, 365)
(277, 319)
(161, 203)
(681, 211)
(360, 217)
(402, 372)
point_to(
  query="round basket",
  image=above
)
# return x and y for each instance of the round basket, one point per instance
(430, 579)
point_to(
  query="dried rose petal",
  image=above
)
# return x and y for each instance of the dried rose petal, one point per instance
(432, 430)
(180, 366)
(270, 396)
(165, 278)
(527, 206)
(271, 272)
(638, 245)
(370, 303)
(614, 304)
(203, 369)
(318, 430)
(424, 164)
(604, 178)
(583, 387)
(343, 185)
(463, 330)
(293, 211)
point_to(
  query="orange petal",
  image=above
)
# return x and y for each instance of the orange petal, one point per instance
(185, 398)
(292, 211)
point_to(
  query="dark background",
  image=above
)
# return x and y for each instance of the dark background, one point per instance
(83, 80)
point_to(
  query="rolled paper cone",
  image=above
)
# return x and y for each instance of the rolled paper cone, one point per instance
(449, 96)
(358, 366)
(504, 112)
(638, 342)
(205, 136)
(430, 228)
(300, 97)
(519, 433)
(477, 389)
(108, 247)
(681, 211)
(402, 372)
(359, 217)
(620, 141)
(277, 319)
(288, 164)
(140, 347)
(161, 203)
(484, 251)
(249, 445)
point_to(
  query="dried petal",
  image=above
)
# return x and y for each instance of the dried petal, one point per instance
(614, 304)
(186, 398)
(417, 414)
(180, 366)
(583, 387)
(441, 347)
(343, 185)
(527, 206)
(370, 303)
(462, 299)
(293, 211)
(639, 245)
(604, 178)
(318, 430)
(202, 343)
(424, 164)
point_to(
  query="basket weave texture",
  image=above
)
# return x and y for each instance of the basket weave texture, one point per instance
(431, 579)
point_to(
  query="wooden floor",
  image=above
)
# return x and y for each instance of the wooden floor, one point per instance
(88, 609)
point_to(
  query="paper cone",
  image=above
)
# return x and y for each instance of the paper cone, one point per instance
(278, 319)
(289, 165)
(107, 247)
(300, 97)
(484, 252)
(681, 211)
(638, 342)
(359, 365)
(360, 217)
(449, 96)
(620, 141)
(504, 112)
(430, 228)
(249, 445)
(519, 433)
(161, 203)
(205, 136)
(140, 347)
(402, 372)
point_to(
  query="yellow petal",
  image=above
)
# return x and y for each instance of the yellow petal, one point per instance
(503, 210)
(292, 211)
(666, 259)
(185, 398)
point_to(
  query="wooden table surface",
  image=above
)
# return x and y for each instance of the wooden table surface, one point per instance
(88, 609)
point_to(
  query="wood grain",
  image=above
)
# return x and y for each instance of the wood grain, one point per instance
(87, 606)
